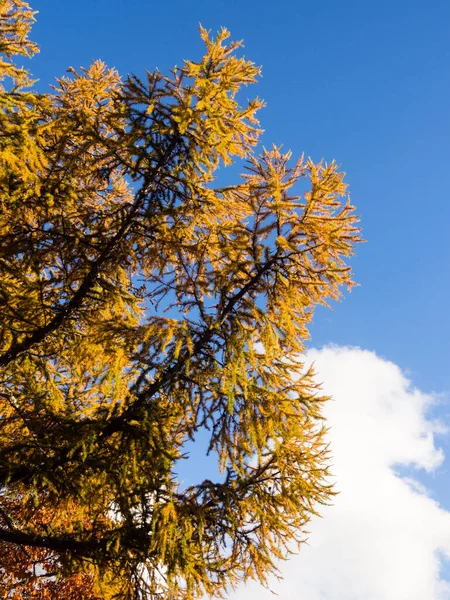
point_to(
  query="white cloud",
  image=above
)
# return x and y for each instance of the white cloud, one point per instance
(385, 537)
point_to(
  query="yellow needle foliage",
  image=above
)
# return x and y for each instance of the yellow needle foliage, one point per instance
(142, 306)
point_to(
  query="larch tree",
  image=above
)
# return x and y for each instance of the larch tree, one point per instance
(143, 306)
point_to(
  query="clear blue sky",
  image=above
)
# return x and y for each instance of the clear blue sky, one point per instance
(365, 83)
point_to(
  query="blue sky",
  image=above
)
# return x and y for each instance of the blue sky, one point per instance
(365, 83)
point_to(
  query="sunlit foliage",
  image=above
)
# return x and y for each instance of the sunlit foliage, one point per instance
(142, 304)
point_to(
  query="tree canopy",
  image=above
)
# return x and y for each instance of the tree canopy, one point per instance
(142, 305)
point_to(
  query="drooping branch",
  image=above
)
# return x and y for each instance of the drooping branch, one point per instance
(169, 374)
(89, 281)
(106, 429)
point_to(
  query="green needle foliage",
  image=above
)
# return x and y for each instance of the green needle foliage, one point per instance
(142, 305)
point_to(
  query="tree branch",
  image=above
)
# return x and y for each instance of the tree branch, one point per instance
(90, 279)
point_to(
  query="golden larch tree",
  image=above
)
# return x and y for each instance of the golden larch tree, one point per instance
(142, 305)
